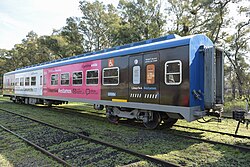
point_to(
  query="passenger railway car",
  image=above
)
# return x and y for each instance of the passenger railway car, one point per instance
(157, 81)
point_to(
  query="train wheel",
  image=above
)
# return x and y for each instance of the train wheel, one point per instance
(111, 118)
(168, 122)
(155, 122)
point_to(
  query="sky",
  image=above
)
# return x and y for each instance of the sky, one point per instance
(18, 17)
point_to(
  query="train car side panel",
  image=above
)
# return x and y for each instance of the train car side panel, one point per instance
(175, 76)
(81, 80)
(144, 77)
(115, 79)
(8, 84)
(29, 83)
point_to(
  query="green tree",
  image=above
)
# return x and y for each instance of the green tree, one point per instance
(72, 35)
(199, 16)
(141, 19)
(97, 25)
(238, 47)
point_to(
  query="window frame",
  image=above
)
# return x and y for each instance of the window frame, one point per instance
(21, 78)
(73, 78)
(150, 64)
(25, 81)
(44, 80)
(12, 82)
(180, 72)
(133, 75)
(103, 77)
(17, 81)
(41, 80)
(51, 79)
(31, 81)
(64, 79)
(86, 77)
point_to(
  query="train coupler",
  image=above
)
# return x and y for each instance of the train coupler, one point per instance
(242, 117)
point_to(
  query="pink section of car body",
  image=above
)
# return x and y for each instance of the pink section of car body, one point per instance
(81, 80)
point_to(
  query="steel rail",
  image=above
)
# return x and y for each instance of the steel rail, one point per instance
(37, 147)
(212, 131)
(143, 156)
(243, 148)
(227, 117)
(181, 135)
(181, 126)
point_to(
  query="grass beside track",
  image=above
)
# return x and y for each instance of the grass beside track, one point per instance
(161, 144)
(15, 152)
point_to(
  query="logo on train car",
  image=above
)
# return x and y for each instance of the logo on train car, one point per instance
(111, 62)
(111, 94)
(90, 91)
(34, 73)
(94, 65)
(55, 70)
(151, 60)
(136, 61)
(64, 91)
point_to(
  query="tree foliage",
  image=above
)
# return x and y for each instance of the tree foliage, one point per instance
(199, 16)
(141, 19)
(238, 47)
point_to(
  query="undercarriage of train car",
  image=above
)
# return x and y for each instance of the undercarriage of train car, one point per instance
(33, 101)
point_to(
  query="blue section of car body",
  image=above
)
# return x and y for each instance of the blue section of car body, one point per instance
(150, 45)
(196, 64)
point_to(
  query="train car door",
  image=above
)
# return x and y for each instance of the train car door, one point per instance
(144, 78)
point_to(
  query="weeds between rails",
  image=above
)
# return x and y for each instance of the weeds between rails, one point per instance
(100, 144)
(36, 146)
(180, 126)
(124, 122)
(93, 113)
(138, 125)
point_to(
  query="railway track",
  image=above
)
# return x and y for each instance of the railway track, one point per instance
(189, 136)
(213, 131)
(180, 126)
(76, 111)
(172, 131)
(138, 125)
(67, 147)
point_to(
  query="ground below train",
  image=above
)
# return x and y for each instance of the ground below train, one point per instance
(158, 143)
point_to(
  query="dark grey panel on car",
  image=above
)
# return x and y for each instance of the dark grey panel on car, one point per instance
(177, 95)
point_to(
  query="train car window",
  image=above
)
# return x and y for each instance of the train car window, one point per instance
(92, 77)
(136, 75)
(44, 80)
(27, 81)
(33, 81)
(77, 78)
(150, 73)
(41, 80)
(21, 81)
(110, 76)
(17, 82)
(54, 79)
(12, 83)
(173, 72)
(65, 79)
(8, 82)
